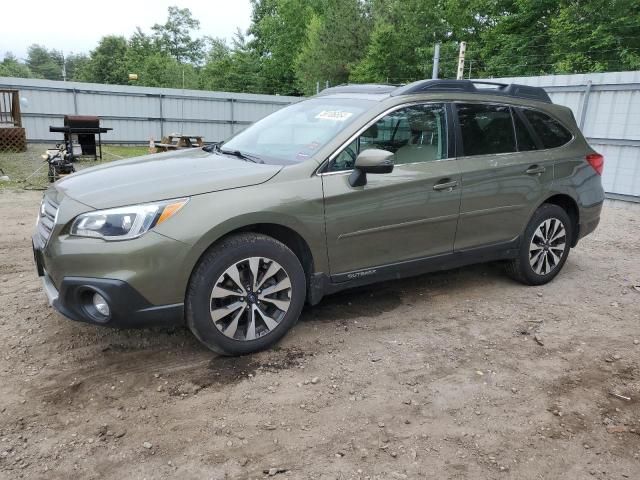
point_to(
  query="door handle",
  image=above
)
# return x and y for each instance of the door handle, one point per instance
(448, 186)
(535, 170)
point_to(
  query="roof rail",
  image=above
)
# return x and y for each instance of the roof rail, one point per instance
(367, 88)
(469, 86)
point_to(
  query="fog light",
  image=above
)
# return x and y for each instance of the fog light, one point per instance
(101, 304)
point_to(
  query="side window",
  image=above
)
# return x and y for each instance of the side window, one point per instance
(525, 141)
(486, 129)
(346, 158)
(415, 134)
(551, 132)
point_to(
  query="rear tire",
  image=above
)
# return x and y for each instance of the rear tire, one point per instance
(544, 247)
(245, 294)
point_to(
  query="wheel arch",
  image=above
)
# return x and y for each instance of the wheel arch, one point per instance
(287, 235)
(569, 205)
(280, 231)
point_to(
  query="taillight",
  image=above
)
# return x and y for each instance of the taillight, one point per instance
(596, 161)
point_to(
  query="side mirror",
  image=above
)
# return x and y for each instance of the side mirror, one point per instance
(372, 160)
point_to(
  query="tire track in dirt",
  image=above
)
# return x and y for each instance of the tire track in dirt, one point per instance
(203, 368)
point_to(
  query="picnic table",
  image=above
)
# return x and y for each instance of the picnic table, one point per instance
(176, 141)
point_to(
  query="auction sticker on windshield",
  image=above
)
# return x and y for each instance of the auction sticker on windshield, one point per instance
(335, 115)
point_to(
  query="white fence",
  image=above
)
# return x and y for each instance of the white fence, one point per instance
(137, 114)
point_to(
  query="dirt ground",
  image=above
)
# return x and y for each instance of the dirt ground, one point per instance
(456, 375)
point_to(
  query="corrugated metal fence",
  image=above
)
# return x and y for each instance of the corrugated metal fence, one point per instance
(607, 108)
(606, 105)
(137, 114)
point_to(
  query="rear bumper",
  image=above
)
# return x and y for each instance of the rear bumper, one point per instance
(128, 309)
(587, 227)
(589, 220)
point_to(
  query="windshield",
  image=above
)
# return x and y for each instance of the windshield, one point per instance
(295, 133)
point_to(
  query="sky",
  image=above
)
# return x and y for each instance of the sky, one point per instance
(77, 25)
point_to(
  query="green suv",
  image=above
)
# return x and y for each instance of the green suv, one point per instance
(359, 184)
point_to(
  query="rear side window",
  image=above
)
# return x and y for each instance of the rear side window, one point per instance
(486, 129)
(551, 133)
(525, 140)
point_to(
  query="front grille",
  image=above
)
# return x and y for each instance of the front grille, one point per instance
(46, 219)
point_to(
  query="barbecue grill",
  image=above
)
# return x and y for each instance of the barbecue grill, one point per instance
(80, 135)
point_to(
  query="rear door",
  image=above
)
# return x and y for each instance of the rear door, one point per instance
(408, 214)
(503, 174)
(551, 135)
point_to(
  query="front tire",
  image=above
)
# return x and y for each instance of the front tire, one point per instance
(245, 294)
(544, 248)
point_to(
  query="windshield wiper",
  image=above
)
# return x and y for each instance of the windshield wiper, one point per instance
(212, 147)
(244, 156)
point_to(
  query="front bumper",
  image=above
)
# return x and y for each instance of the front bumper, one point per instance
(128, 309)
(143, 280)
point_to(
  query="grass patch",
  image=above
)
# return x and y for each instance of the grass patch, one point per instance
(116, 152)
(29, 171)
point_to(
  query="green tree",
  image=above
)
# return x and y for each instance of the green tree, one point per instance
(108, 62)
(141, 48)
(591, 36)
(232, 69)
(11, 67)
(174, 36)
(335, 42)
(292, 44)
(75, 64)
(279, 29)
(167, 57)
(404, 34)
(159, 70)
(217, 66)
(141, 45)
(401, 41)
(518, 43)
(44, 63)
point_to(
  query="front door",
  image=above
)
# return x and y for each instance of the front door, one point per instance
(405, 215)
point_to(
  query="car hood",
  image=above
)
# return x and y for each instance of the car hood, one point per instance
(161, 176)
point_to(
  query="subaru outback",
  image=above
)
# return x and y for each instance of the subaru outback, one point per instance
(359, 184)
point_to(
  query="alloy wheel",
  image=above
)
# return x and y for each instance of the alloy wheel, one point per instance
(250, 298)
(547, 246)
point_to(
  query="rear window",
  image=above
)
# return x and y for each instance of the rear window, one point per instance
(486, 129)
(551, 132)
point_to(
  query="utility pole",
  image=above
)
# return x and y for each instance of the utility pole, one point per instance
(436, 61)
(317, 87)
(463, 49)
(64, 69)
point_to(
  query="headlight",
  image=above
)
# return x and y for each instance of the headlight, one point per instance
(125, 223)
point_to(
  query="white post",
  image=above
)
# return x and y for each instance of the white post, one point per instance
(436, 61)
(463, 49)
